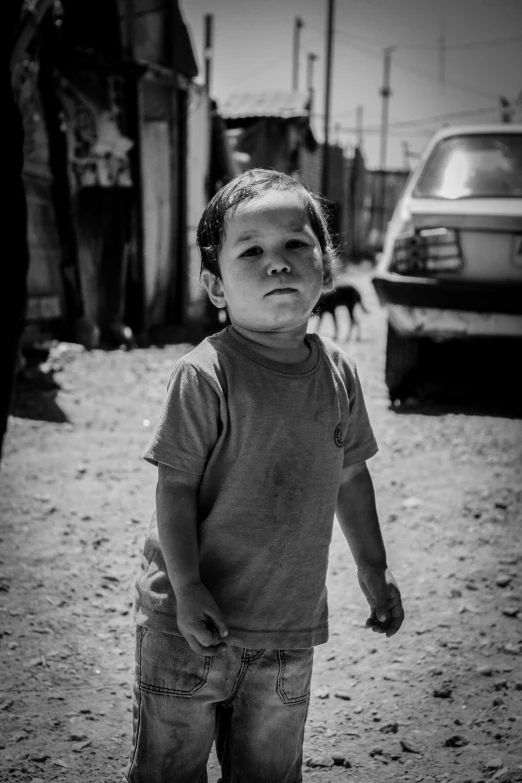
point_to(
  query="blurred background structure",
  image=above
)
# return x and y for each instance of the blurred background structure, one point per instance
(136, 111)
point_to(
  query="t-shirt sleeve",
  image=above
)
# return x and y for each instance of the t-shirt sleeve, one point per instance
(359, 439)
(188, 426)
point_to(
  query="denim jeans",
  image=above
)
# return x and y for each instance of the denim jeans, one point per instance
(253, 703)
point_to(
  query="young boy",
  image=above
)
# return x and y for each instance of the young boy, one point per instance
(263, 437)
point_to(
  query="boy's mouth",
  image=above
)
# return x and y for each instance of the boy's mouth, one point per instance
(277, 291)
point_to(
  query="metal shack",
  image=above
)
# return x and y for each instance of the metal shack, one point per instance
(104, 88)
(272, 129)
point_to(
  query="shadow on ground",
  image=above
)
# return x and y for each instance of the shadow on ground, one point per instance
(479, 378)
(35, 390)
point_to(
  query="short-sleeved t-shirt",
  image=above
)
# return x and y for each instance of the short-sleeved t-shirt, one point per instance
(269, 441)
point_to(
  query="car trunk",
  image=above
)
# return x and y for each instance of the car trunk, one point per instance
(490, 234)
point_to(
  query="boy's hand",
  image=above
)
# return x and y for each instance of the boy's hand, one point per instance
(200, 620)
(384, 597)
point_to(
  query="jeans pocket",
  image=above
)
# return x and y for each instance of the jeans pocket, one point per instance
(168, 666)
(295, 674)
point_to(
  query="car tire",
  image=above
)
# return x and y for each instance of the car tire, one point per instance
(402, 358)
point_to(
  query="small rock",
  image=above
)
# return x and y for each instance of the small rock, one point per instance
(77, 747)
(504, 776)
(342, 695)
(77, 737)
(389, 728)
(509, 560)
(330, 733)
(503, 580)
(486, 671)
(493, 764)
(511, 611)
(411, 502)
(5, 584)
(39, 661)
(319, 761)
(442, 693)
(408, 747)
(456, 741)
(40, 758)
(322, 693)
(339, 759)
(498, 701)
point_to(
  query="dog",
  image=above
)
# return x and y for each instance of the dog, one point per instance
(343, 295)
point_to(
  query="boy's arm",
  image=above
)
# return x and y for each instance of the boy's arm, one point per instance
(357, 515)
(199, 618)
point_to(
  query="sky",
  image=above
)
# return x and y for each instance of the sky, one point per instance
(253, 51)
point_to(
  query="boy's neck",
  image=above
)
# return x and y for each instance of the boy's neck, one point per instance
(285, 347)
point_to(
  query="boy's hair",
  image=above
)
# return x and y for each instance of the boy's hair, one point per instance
(245, 187)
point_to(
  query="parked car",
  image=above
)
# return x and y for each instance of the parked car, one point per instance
(451, 266)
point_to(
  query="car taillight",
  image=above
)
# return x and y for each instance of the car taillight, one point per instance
(427, 250)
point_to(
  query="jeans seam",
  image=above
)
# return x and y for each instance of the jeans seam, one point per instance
(280, 689)
(184, 693)
(239, 679)
(138, 719)
(250, 658)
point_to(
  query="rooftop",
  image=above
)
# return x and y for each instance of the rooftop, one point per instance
(285, 104)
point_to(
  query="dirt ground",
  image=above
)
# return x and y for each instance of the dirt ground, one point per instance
(442, 701)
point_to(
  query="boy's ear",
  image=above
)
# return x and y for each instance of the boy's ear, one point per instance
(327, 273)
(214, 288)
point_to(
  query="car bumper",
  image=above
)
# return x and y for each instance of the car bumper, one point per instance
(442, 309)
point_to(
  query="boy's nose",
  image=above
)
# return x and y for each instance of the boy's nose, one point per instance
(278, 265)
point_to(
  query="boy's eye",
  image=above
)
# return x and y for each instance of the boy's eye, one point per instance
(251, 252)
(293, 244)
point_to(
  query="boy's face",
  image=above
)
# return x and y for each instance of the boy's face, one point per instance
(271, 264)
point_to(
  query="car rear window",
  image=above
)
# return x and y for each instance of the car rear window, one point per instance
(474, 166)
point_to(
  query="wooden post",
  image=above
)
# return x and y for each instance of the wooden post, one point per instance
(328, 84)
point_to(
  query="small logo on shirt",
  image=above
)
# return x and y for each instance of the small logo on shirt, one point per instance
(338, 436)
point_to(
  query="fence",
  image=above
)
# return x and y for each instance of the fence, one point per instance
(372, 197)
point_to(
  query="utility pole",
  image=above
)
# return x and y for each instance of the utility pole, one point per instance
(359, 113)
(208, 50)
(310, 79)
(385, 92)
(405, 154)
(298, 24)
(506, 109)
(328, 85)
(442, 55)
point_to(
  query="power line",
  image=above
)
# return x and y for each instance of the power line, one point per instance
(454, 46)
(424, 76)
(425, 120)
(480, 44)
(263, 69)
(442, 117)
